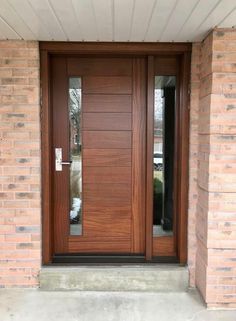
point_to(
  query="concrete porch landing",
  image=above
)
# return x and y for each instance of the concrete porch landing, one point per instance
(146, 277)
(37, 305)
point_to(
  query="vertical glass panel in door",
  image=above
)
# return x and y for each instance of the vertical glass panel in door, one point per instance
(163, 158)
(75, 105)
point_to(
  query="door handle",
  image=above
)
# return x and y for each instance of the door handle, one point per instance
(58, 160)
(66, 163)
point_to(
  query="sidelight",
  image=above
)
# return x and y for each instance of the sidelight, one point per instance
(163, 156)
(75, 146)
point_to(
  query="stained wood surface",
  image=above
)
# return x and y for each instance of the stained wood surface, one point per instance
(149, 166)
(112, 103)
(46, 162)
(109, 194)
(60, 139)
(139, 155)
(164, 246)
(93, 245)
(107, 103)
(107, 85)
(100, 66)
(107, 157)
(106, 154)
(106, 175)
(107, 139)
(107, 121)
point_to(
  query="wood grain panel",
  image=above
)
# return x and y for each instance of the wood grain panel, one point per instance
(106, 175)
(166, 66)
(139, 154)
(46, 158)
(107, 103)
(107, 157)
(99, 66)
(99, 245)
(95, 48)
(106, 139)
(106, 224)
(164, 246)
(149, 166)
(121, 210)
(107, 85)
(60, 139)
(107, 195)
(106, 121)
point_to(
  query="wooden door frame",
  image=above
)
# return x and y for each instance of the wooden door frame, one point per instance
(107, 48)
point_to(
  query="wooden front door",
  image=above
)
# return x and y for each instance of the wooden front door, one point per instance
(98, 155)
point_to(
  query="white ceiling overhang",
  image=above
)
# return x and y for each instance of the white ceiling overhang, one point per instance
(114, 20)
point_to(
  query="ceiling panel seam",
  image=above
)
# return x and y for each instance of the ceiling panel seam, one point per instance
(150, 19)
(96, 23)
(41, 22)
(132, 20)
(22, 20)
(189, 16)
(113, 19)
(211, 11)
(57, 19)
(8, 26)
(234, 9)
(168, 19)
(77, 19)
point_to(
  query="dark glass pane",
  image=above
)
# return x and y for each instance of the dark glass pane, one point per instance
(163, 157)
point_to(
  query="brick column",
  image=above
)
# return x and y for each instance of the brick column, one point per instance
(216, 205)
(193, 159)
(20, 215)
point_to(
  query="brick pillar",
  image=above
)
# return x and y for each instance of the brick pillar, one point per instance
(216, 205)
(20, 253)
(193, 159)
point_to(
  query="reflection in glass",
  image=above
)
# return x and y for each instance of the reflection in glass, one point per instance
(163, 158)
(75, 156)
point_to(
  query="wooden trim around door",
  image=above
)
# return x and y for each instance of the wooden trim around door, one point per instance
(107, 48)
(149, 162)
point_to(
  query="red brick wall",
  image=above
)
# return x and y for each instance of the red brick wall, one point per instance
(193, 159)
(20, 216)
(215, 191)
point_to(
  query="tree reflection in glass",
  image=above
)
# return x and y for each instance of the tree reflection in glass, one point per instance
(75, 105)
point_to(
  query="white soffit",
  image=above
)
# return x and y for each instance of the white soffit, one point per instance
(114, 20)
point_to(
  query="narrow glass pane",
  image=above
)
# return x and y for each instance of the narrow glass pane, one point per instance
(75, 95)
(163, 158)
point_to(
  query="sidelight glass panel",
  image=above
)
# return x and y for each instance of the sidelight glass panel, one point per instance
(163, 158)
(75, 105)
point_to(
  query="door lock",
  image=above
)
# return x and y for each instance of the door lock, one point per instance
(58, 160)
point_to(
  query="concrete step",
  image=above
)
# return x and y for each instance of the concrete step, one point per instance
(144, 278)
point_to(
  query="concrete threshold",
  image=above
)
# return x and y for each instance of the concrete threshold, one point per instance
(143, 278)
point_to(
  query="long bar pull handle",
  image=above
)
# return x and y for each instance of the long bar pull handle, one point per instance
(58, 160)
(66, 163)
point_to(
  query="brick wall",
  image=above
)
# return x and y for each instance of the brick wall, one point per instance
(215, 208)
(193, 159)
(19, 164)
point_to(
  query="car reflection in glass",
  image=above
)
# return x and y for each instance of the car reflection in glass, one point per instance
(158, 161)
